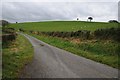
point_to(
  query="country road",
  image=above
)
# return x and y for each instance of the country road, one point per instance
(52, 62)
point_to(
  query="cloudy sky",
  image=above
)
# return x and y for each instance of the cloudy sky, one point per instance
(44, 10)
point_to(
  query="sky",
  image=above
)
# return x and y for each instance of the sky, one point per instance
(47, 10)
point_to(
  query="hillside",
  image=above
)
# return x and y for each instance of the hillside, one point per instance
(63, 25)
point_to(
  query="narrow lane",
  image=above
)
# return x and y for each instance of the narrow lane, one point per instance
(52, 62)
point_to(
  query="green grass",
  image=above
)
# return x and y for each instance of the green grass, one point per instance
(63, 25)
(101, 51)
(15, 56)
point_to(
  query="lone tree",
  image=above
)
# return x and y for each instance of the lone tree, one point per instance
(90, 18)
(77, 19)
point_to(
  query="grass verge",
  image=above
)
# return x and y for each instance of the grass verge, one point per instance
(100, 51)
(15, 56)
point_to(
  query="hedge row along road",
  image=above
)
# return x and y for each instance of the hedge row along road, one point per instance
(52, 62)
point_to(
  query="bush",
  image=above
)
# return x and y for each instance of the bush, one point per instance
(22, 30)
(113, 21)
(8, 37)
(8, 30)
(112, 33)
(5, 23)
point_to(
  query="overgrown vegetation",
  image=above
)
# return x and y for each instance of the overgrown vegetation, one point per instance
(8, 30)
(4, 23)
(101, 34)
(14, 53)
(15, 56)
(8, 34)
(112, 34)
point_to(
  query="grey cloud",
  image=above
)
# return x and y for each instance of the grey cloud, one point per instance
(60, 0)
(119, 11)
(38, 11)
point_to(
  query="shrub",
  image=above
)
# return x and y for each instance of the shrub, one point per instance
(22, 30)
(104, 34)
(112, 33)
(8, 37)
(113, 21)
(8, 30)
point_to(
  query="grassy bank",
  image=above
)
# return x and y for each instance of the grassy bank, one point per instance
(63, 26)
(15, 55)
(105, 52)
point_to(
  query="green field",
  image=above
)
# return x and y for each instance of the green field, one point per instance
(63, 25)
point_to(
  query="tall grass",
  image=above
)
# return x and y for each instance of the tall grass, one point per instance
(14, 57)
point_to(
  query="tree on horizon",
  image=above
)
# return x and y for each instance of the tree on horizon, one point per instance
(90, 18)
